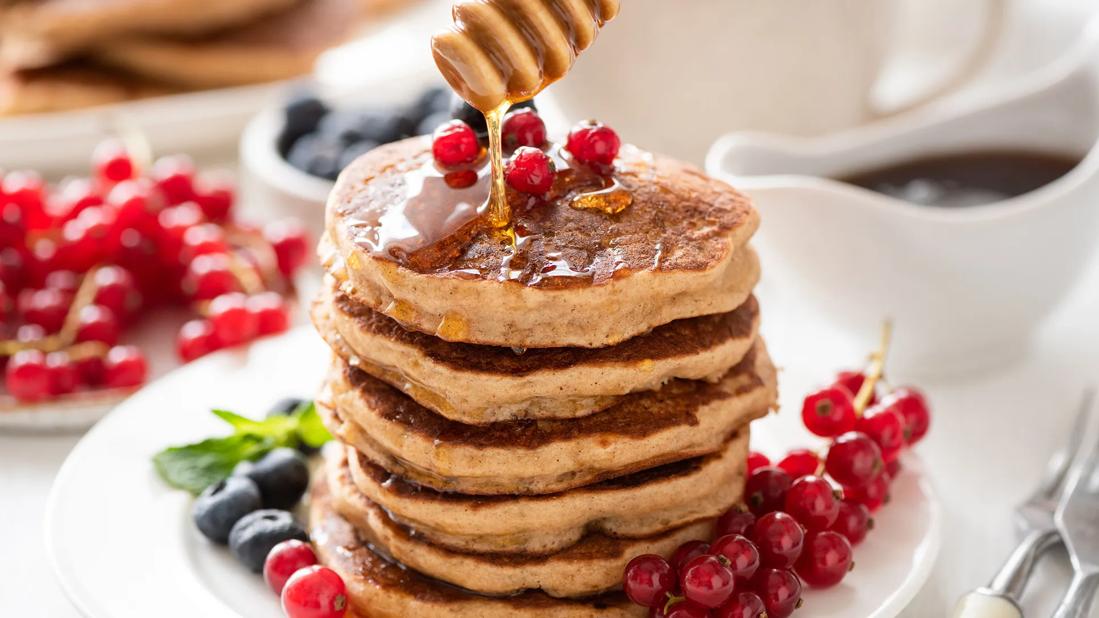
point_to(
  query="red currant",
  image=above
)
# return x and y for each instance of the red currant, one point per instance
(91, 370)
(124, 367)
(210, 276)
(812, 502)
(530, 170)
(686, 552)
(706, 581)
(853, 381)
(272, 314)
(63, 375)
(28, 190)
(742, 555)
(829, 412)
(687, 609)
(27, 377)
(648, 580)
(46, 308)
(233, 323)
(800, 462)
(853, 521)
(743, 605)
(523, 127)
(913, 407)
(285, 559)
(63, 280)
(885, 426)
(290, 243)
(757, 460)
(853, 460)
(592, 142)
(826, 559)
(202, 239)
(196, 338)
(873, 494)
(173, 223)
(765, 490)
(454, 144)
(893, 467)
(780, 590)
(116, 290)
(133, 199)
(174, 176)
(97, 323)
(74, 196)
(112, 162)
(314, 592)
(734, 521)
(215, 197)
(778, 537)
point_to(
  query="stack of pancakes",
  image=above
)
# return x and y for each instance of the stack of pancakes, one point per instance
(66, 54)
(516, 421)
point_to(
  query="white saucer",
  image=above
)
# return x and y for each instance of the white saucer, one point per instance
(122, 543)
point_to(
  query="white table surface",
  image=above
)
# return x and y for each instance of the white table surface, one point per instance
(990, 438)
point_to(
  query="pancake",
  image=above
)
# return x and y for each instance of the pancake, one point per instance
(592, 566)
(417, 251)
(379, 588)
(278, 46)
(636, 505)
(683, 419)
(478, 384)
(71, 86)
(41, 33)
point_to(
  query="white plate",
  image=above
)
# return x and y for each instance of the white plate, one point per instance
(122, 543)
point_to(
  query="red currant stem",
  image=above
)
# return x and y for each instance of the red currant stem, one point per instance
(874, 372)
(85, 294)
(672, 600)
(261, 250)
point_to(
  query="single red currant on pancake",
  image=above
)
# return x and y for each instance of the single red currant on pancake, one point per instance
(523, 127)
(454, 144)
(812, 501)
(826, 559)
(884, 424)
(778, 537)
(829, 411)
(285, 559)
(736, 520)
(853, 459)
(853, 521)
(780, 590)
(706, 581)
(872, 495)
(124, 367)
(27, 377)
(913, 407)
(765, 490)
(648, 579)
(800, 462)
(314, 592)
(530, 170)
(742, 555)
(687, 551)
(742, 605)
(757, 460)
(593, 142)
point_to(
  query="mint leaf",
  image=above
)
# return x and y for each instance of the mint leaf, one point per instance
(311, 431)
(194, 467)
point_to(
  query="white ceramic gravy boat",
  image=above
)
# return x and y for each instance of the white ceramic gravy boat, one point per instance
(966, 287)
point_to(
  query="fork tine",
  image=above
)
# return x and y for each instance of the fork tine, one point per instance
(1056, 482)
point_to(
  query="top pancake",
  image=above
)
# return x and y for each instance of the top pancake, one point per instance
(418, 250)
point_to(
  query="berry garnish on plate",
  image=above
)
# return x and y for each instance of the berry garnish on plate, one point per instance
(285, 559)
(314, 592)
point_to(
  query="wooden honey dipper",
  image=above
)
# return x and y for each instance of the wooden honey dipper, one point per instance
(501, 52)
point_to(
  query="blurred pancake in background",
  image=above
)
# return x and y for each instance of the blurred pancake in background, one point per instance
(71, 86)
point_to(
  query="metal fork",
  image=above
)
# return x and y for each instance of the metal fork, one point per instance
(1078, 522)
(1035, 520)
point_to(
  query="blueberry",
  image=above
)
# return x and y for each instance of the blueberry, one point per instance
(224, 503)
(301, 115)
(317, 156)
(429, 124)
(354, 151)
(282, 477)
(383, 126)
(432, 100)
(285, 406)
(252, 538)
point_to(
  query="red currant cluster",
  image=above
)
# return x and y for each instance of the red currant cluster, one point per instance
(80, 261)
(798, 526)
(306, 589)
(530, 169)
